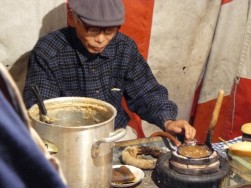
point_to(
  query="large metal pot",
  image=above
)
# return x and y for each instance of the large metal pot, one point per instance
(83, 131)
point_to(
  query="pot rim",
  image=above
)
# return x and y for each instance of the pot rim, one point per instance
(68, 99)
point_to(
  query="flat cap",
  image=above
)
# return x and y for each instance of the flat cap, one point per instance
(100, 13)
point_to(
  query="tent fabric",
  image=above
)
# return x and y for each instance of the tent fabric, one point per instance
(22, 23)
(181, 40)
(228, 69)
(138, 23)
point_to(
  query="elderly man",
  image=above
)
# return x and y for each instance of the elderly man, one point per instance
(91, 58)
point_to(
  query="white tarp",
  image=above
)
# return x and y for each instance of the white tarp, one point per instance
(22, 23)
(181, 39)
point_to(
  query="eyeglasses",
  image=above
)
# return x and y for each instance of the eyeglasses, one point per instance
(94, 31)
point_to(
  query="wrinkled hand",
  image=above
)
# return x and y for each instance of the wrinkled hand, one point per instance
(180, 127)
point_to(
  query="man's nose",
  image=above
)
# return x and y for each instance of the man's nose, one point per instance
(100, 37)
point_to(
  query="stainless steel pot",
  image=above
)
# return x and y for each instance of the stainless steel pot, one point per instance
(83, 131)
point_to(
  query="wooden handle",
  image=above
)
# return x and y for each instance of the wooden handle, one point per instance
(216, 110)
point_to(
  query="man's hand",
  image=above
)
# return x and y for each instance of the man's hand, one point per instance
(180, 127)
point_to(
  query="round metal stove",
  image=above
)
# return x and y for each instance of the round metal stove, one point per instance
(209, 172)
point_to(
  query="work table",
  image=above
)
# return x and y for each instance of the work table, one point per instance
(147, 181)
(233, 180)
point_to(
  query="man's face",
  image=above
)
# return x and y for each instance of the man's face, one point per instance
(94, 39)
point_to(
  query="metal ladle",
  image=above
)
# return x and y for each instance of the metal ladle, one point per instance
(43, 112)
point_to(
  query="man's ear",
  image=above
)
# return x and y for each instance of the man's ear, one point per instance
(70, 19)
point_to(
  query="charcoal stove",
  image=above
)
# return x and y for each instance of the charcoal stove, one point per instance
(197, 166)
(175, 171)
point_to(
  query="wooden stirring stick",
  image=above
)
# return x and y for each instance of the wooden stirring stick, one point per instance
(214, 118)
(216, 111)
